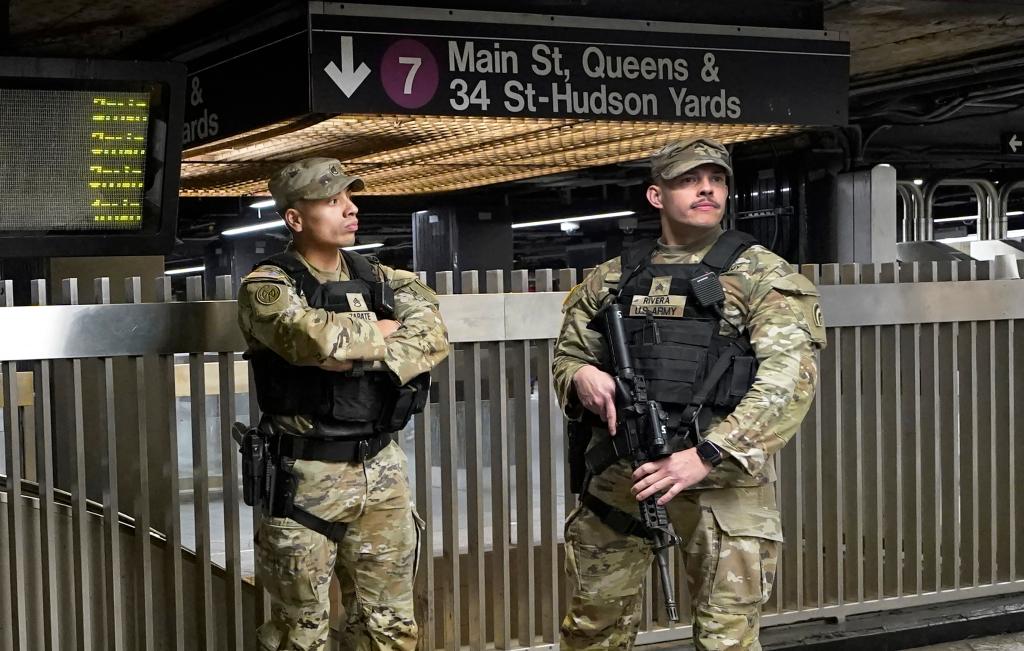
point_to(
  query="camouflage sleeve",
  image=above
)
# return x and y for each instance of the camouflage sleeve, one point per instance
(422, 341)
(786, 328)
(577, 345)
(272, 313)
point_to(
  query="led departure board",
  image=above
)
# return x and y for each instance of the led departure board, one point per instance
(89, 156)
(81, 165)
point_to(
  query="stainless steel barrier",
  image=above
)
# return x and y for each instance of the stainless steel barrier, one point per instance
(913, 210)
(900, 489)
(991, 222)
(1004, 205)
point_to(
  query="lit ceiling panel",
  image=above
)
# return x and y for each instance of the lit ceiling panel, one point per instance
(401, 154)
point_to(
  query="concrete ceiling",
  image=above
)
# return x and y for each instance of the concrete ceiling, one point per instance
(884, 34)
(887, 35)
(92, 28)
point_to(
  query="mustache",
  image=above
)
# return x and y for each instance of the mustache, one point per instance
(705, 201)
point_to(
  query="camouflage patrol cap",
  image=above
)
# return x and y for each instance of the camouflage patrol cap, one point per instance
(684, 155)
(310, 178)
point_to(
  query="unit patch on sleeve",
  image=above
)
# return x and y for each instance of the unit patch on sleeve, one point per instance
(268, 294)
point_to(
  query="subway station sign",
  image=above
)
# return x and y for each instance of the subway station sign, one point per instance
(372, 59)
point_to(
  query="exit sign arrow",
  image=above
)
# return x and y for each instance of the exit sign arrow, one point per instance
(347, 78)
(1015, 143)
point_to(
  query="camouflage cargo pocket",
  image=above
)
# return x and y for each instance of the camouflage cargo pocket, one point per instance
(289, 563)
(608, 564)
(748, 549)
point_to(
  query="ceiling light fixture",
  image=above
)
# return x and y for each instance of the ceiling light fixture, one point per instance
(252, 228)
(585, 218)
(262, 204)
(184, 270)
(362, 247)
(940, 220)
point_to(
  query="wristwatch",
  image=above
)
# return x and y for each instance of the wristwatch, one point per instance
(709, 453)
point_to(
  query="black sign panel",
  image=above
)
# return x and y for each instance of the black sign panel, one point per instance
(1012, 142)
(247, 90)
(367, 64)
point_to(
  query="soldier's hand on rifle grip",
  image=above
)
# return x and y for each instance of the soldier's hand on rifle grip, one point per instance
(670, 475)
(596, 391)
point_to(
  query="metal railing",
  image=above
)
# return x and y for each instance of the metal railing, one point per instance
(991, 210)
(900, 489)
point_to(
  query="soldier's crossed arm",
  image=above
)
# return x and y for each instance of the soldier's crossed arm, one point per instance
(783, 316)
(422, 341)
(271, 312)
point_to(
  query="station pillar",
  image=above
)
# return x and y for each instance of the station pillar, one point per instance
(863, 215)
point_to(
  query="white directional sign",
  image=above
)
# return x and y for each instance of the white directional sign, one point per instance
(1015, 143)
(347, 78)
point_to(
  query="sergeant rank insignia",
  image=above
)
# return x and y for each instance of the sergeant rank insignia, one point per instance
(357, 307)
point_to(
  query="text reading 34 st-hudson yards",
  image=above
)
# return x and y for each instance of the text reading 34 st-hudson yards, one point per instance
(589, 81)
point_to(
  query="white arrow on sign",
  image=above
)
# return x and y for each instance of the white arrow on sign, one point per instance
(1015, 142)
(347, 78)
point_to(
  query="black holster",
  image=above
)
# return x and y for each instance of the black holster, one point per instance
(269, 482)
(252, 443)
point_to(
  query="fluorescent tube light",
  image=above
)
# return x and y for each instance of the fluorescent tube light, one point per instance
(252, 228)
(363, 247)
(585, 218)
(262, 204)
(940, 220)
(184, 270)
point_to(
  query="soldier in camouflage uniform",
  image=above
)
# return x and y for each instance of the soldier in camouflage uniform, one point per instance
(375, 560)
(724, 511)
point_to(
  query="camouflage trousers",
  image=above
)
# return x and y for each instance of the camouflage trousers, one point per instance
(375, 562)
(730, 539)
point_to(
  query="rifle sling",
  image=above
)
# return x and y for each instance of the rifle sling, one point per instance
(616, 519)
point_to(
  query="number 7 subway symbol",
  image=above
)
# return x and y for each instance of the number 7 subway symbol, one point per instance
(347, 78)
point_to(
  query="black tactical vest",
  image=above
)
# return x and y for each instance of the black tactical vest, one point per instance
(672, 328)
(345, 404)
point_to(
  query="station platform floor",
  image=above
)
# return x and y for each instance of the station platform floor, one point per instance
(1011, 642)
(1008, 642)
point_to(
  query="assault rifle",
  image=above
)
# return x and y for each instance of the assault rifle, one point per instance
(642, 422)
